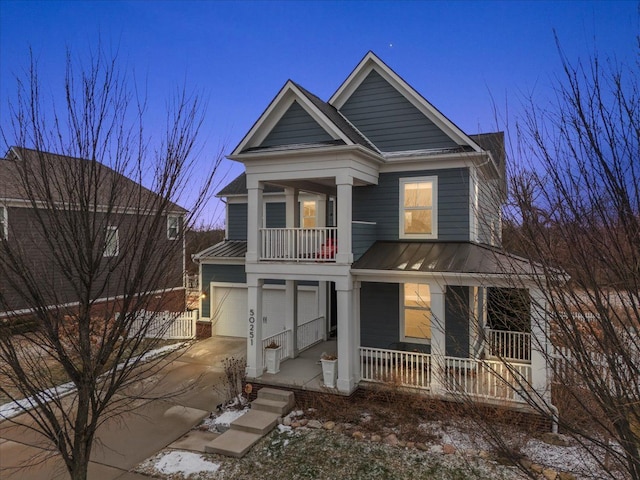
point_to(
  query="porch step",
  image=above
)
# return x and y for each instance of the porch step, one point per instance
(278, 395)
(233, 443)
(255, 421)
(275, 407)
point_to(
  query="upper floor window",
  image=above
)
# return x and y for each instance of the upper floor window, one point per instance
(111, 242)
(418, 207)
(309, 214)
(173, 227)
(4, 223)
(416, 310)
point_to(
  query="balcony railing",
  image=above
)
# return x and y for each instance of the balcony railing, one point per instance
(299, 244)
(508, 345)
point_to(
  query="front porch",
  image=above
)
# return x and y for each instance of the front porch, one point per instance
(491, 380)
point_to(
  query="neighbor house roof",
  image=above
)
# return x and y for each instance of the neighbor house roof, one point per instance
(52, 170)
(449, 257)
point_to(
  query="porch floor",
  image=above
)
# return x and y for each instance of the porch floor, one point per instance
(303, 372)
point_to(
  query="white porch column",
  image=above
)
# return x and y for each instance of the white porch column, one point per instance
(322, 306)
(321, 214)
(292, 207)
(291, 319)
(438, 339)
(356, 328)
(254, 219)
(255, 366)
(344, 214)
(539, 345)
(347, 342)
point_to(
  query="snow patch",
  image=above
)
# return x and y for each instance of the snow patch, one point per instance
(185, 463)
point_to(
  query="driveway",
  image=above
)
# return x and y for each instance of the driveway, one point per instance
(125, 441)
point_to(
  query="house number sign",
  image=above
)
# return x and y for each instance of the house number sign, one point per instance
(252, 326)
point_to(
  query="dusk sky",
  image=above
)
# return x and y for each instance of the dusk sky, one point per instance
(457, 54)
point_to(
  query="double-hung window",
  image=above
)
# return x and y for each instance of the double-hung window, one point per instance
(308, 213)
(4, 223)
(416, 313)
(418, 207)
(111, 242)
(173, 227)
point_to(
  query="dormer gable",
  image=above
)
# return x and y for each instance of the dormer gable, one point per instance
(297, 118)
(391, 114)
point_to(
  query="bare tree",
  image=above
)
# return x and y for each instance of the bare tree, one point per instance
(108, 246)
(576, 206)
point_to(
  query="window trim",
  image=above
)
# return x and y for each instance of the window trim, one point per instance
(434, 207)
(107, 236)
(403, 308)
(4, 226)
(302, 215)
(169, 218)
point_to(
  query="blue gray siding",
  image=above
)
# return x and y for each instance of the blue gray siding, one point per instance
(296, 126)
(276, 215)
(237, 221)
(379, 315)
(219, 273)
(362, 237)
(457, 322)
(389, 120)
(381, 203)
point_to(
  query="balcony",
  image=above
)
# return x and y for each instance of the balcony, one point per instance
(299, 244)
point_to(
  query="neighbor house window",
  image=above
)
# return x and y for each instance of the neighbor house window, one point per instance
(4, 223)
(418, 214)
(173, 227)
(111, 242)
(309, 211)
(416, 310)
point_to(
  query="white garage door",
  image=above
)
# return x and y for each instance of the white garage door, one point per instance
(230, 305)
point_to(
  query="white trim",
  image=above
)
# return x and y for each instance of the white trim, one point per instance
(474, 205)
(434, 207)
(169, 227)
(4, 226)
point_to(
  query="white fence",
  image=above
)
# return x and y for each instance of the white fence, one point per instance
(311, 333)
(166, 325)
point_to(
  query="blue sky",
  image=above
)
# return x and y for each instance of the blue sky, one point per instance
(457, 54)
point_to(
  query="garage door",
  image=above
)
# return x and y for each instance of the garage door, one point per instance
(230, 305)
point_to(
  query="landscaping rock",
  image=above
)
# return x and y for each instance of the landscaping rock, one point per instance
(295, 424)
(303, 422)
(376, 438)
(526, 463)
(566, 476)
(329, 425)
(435, 449)
(358, 435)
(484, 455)
(411, 444)
(555, 439)
(448, 449)
(286, 421)
(422, 447)
(549, 474)
(402, 443)
(391, 439)
(536, 468)
(314, 424)
(339, 428)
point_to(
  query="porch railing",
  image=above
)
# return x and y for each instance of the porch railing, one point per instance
(166, 325)
(509, 345)
(283, 339)
(311, 333)
(393, 366)
(299, 244)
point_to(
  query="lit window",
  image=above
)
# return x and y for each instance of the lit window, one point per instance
(309, 214)
(418, 218)
(4, 223)
(416, 313)
(173, 227)
(111, 242)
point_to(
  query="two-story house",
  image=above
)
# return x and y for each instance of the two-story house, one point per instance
(373, 218)
(87, 205)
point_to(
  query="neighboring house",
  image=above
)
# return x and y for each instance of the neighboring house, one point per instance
(374, 218)
(118, 219)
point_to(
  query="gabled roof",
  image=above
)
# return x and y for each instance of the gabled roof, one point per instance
(370, 63)
(324, 115)
(53, 170)
(238, 186)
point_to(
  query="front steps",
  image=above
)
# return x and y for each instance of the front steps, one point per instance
(245, 431)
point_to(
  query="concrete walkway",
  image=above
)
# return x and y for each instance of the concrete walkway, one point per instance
(124, 442)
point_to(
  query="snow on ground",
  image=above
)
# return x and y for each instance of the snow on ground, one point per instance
(220, 423)
(184, 463)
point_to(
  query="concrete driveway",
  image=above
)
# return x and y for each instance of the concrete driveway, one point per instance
(125, 441)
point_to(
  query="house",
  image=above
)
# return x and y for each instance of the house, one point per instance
(120, 211)
(374, 219)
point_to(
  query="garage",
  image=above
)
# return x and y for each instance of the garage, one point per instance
(229, 308)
